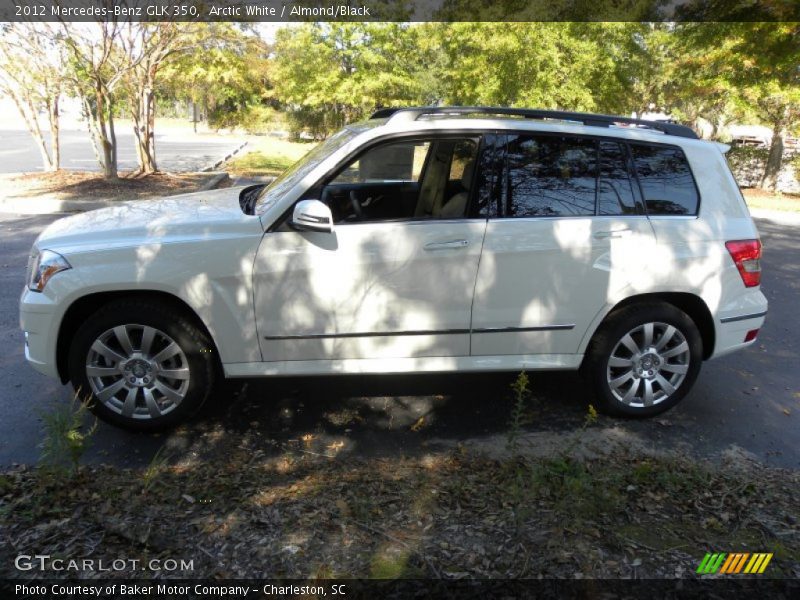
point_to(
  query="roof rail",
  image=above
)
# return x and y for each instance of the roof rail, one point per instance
(415, 112)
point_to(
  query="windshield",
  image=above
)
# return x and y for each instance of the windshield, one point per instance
(291, 176)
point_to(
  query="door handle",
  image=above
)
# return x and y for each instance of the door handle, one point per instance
(453, 245)
(616, 233)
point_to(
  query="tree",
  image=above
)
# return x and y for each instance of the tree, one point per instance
(145, 48)
(760, 65)
(93, 75)
(31, 74)
(229, 72)
(547, 65)
(330, 74)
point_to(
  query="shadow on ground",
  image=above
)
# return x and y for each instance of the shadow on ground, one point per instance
(363, 416)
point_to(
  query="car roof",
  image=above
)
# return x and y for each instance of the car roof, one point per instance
(387, 126)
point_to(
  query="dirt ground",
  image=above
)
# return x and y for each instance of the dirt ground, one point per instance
(579, 506)
(81, 185)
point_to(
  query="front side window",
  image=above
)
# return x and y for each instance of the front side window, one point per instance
(666, 180)
(427, 178)
(549, 176)
(390, 163)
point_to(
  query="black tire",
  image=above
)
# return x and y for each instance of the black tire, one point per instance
(610, 334)
(194, 343)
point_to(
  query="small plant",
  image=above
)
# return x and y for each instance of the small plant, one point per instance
(66, 440)
(156, 466)
(522, 394)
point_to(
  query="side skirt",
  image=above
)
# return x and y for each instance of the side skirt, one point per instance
(433, 364)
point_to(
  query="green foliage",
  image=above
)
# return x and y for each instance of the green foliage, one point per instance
(740, 157)
(328, 74)
(227, 76)
(390, 564)
(66, 438)
(547, 65)
(253, 118)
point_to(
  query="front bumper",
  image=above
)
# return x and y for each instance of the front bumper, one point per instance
(37, 320)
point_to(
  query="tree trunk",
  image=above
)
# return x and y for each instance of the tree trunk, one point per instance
(151, 127)
(32, 123)
(55, 142)
(144, 126)
(102, 125)
(112, 135)
(775, 158)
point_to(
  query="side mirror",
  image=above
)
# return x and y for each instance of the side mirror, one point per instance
(312, 215)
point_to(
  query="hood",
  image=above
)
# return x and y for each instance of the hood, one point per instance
(203, 215)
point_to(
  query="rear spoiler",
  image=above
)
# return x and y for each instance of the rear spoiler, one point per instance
(722, 147)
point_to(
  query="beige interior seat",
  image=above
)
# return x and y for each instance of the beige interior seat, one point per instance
(432, 188)
(457, 204)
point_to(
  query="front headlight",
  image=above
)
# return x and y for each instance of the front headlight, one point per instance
(43, 265)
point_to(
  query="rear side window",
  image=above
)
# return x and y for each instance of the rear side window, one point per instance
(666, 180)
(550, 176)
(615, 191)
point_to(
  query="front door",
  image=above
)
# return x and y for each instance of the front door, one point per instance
(395, 279)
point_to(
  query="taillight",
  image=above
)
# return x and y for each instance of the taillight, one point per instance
(747, 256)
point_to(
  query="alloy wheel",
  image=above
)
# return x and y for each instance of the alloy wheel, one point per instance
(137, 371)
(648, 364)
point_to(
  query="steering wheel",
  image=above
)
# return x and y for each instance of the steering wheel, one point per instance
(359, 212)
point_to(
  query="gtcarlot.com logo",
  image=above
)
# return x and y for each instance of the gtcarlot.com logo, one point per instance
(734, 563)
(45, 562)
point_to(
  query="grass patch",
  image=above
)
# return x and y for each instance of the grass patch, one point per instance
(761, 199)
(267, 155)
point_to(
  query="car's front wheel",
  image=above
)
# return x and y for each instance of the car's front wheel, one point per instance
(141, 365)
(644, 359)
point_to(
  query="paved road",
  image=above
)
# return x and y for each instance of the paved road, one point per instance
(174, 151)
(750, 399)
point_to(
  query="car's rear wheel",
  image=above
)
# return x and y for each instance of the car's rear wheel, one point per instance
(644, 359)
(141, 365)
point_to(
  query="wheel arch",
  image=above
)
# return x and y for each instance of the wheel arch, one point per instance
(82, 308)
(691, 304)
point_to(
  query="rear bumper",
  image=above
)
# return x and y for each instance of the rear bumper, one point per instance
(36, 319)
(734, 323)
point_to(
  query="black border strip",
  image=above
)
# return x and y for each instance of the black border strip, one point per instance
(322, 336)
(522, 329)
(743, 317)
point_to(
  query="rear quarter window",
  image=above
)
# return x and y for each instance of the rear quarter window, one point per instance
(665, 179)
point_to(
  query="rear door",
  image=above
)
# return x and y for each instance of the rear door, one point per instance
(567, 234)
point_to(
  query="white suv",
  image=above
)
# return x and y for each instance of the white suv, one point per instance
(422, 240)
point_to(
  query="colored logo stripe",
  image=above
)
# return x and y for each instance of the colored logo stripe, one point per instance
(758, 563)
(734, 563)
(711, 563)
